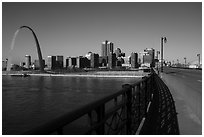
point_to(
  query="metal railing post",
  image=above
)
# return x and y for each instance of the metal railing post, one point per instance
(129, 107)
(138, 93)
(146, 100)
(100, 116)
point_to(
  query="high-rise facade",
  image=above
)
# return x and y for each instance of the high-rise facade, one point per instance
(106, 48)
(94, 60)
(51, 62)
(103, 61)
(59, 62)
(110, 48)
(71, 61)
(27, 61)
(82, 62)
(67, 62)
(134, 60)
(149, 56)
(112, 60)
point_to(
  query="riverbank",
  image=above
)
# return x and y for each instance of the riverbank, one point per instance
(118, 74)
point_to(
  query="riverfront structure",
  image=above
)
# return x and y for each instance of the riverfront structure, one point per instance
(71, 62)
(27, 61)
(107, 48)
(59, 62)
(134, 60)
(51, 62)
(82, 62)
(37, 64)
(112, 60)
(38, 47)
(94, 60)
(148, 57)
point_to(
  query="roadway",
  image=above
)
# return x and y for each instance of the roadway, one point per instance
(186, 88)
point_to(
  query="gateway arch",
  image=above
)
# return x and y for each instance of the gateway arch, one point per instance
(38, 47)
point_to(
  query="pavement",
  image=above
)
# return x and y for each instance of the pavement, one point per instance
(185, 86)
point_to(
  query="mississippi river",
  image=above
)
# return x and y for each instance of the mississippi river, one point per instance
(28, 102)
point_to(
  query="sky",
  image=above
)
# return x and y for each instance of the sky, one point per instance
(74, 29)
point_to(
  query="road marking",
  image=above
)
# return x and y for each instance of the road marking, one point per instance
(199, 80)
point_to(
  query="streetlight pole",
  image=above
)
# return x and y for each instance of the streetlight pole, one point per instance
(185, 61)
(158, 60)
(163, 39)
(198, 55)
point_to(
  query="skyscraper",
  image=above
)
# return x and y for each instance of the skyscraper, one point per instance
(149, 57)
(112, 60)
(94, 60)
(71, 61)
(106, 48)
(59, 61)
(103, 61)
(82, 62)
(67, 62)
(134, 60)
(109, 48)
(51, 62)
(27, 61)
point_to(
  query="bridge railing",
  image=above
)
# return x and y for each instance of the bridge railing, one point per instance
(119, 113)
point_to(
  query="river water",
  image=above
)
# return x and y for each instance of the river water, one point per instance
(28, 102)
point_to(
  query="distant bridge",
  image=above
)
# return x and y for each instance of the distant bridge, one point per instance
(146, 107)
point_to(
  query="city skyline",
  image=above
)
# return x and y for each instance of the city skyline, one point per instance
(74, 29)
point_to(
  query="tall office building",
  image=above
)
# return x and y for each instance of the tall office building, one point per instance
(82, 62)
(94, 60)
(106, 48)
(27, 61)
(112, 60)
(149, 57)
(67, 62)
(109, 48)
(103, 61)
(134, 60)
(59, 62)
(51, 62)
(71, 61)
